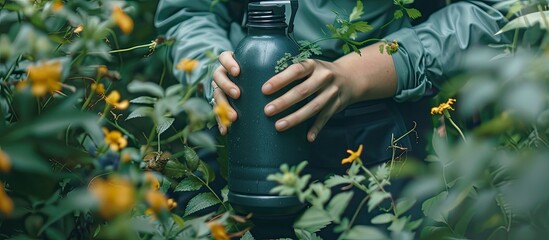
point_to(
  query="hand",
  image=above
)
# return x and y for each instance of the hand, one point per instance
(350, 79)
(332, 93)
(223, 86)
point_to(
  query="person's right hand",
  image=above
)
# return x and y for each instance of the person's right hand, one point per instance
(223, 86)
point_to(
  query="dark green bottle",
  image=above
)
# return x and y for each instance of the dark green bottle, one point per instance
(255, 148)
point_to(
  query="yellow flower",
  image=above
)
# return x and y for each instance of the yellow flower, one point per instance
(126, 158)
(6, 204)
(157, 201)
(5, 162)
(353, 155)
(392, 47)
(152, 180)
(102, 70)
(113, 99)
(171, 204)
(116, 195)
(98, 88)
(115, 139)
(45, 77)
(78, 29)
(57, 5)
(221, 110)
(122, 20)
(218, 231)
(187, 65)
(443, 106)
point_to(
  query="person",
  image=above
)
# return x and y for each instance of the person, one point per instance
(351, 99)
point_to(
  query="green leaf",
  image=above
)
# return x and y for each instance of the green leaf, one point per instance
(362, 26)
(313, 219)
(382, 172)
(201, 201)
(357, 12)
(144, 100)
(365, 233)
(27, 159)
(142, 224)
(376, 198)
(331, 28)
(412, 226)
(432, 207)
(403, 205)
(346, 48)
(305, 235)
(191, 158)
(338, 204)
(381, 48)
(74, 201)
(206, 171)
(337, 180)
(178, 220)
(398, 14)
(174, 169)
(188, 184)
(383, 218)
(146, 87)
(163, 123)
(526, 21)
(141, 112)
(247, 236)
(174, 90)
(413, 13)
(398, 224)
(202, 139)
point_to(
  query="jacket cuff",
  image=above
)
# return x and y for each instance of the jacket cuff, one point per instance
(412, 83)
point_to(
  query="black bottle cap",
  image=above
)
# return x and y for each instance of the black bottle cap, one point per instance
(266, 15)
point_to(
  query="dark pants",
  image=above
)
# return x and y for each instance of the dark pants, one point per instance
(372, 124)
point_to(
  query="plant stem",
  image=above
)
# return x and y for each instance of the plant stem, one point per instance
(447, 115)
(88, 100)
(132, 48)
(211, 190)
(151, 135)
(105, 111)
(356, 212)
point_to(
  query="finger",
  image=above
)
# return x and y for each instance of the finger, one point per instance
(322, 103)
(219, 96)
(224, 83)
(228, 61)
(301, 91)
(293, 72)
(322, 118)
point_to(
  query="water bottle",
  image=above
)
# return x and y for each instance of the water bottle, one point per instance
(255, 148)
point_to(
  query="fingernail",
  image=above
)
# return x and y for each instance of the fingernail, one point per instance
(281, 125)
(221, 130)
(233, 92)
(267, 87)
(232, 116)
(312, 137)
(269, 109)
(234, 71)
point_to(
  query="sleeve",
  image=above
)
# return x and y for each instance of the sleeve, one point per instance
(431, 52)
(196, 28)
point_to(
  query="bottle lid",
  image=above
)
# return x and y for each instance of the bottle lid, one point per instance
(266, 15)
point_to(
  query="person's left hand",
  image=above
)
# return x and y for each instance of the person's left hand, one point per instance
(333, 85)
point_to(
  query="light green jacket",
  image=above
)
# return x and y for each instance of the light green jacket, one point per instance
(429, 53)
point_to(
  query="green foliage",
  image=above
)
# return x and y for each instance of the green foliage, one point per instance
(328, 209)
(201, 201)
(66, 177)
(346, 29)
